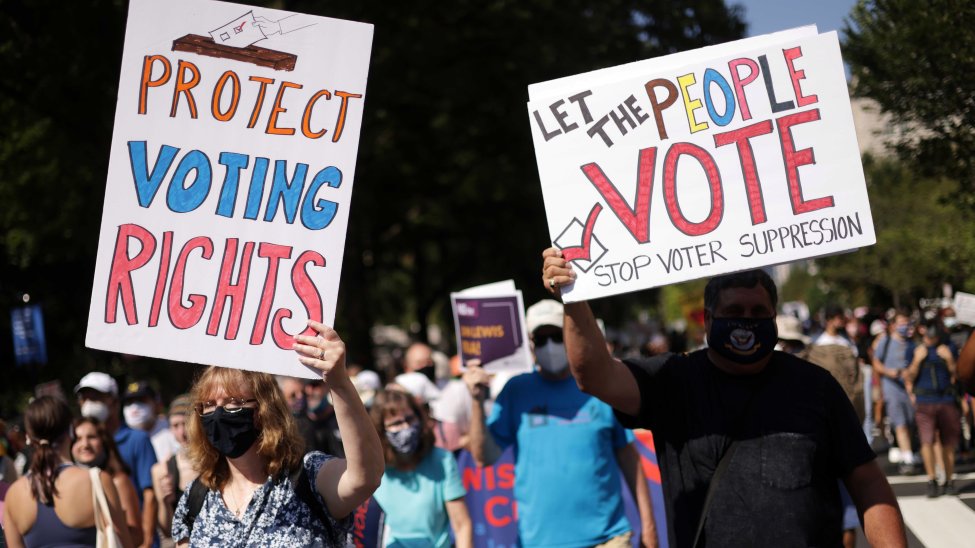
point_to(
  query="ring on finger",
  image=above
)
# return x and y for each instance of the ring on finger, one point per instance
(552, 283)
(321, 353)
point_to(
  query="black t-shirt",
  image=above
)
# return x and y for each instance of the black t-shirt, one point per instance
(799, 434)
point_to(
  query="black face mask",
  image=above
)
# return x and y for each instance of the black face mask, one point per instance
(231, 434)
(743, 340)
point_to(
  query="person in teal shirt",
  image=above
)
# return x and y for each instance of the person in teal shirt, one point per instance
(569, 449)
(421, 491)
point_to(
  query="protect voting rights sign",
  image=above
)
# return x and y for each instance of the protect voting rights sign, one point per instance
(490, 324)
(229, 183)
(705, 162)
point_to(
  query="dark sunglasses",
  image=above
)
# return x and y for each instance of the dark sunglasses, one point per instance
(542, 339)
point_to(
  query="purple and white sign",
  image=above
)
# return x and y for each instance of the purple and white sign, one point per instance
(490, 327)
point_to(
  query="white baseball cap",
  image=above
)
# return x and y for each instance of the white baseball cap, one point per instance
(544, 312)
(98, 381)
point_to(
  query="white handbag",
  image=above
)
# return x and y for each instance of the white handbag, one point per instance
(107, 537)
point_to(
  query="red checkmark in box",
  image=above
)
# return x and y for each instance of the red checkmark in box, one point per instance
(583, 251)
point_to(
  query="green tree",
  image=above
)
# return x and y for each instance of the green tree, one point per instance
(917, 61)
(923, 241)
(446, 192)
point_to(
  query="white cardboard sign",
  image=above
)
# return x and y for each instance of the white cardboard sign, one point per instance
(489, 321)
(229, 182)
(735, 158)
(964, 305)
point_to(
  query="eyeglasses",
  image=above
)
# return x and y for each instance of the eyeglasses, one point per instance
(542, 339)
(232, 405)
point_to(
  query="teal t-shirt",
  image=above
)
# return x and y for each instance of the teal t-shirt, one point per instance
(567, 480)
(415, 501)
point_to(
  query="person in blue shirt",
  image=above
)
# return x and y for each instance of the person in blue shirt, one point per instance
(98, 397)
(569, 449)
(421, 490)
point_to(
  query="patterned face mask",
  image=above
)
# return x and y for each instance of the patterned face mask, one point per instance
(743, 340)
(406, 440)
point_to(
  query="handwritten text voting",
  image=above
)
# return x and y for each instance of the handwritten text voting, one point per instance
(229, 185)
(727, 163)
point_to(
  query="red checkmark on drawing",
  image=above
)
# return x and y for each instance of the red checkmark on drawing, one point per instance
(240, 27)
(575, 253)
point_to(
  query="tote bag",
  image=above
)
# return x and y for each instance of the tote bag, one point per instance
(107, 537)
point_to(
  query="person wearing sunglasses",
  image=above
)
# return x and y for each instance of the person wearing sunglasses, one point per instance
(569, 449)
(261, 488)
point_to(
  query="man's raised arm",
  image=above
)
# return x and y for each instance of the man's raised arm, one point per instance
(595, 370)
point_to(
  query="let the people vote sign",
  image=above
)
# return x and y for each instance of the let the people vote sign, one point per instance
(229, 183)
(730, 157)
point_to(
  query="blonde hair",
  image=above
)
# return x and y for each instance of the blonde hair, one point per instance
(278, 440)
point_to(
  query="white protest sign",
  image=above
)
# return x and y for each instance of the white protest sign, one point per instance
(229, 183)
(718, 165)
(489, 321)
(609, 75)
(964, 306)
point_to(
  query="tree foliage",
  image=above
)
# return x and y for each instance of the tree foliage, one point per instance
(917, 61)
(922, 240)
(446, 192)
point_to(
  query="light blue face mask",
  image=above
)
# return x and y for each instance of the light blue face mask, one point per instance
(551, 358)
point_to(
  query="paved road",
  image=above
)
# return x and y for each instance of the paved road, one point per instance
(943, 522)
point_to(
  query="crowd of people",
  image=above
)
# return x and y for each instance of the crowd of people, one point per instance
(773, 412)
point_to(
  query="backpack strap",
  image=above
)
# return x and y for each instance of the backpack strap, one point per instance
(194, 503)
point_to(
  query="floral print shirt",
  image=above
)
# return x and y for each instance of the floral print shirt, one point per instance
(276, 517)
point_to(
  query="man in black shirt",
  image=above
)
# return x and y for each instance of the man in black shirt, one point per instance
(750, 441)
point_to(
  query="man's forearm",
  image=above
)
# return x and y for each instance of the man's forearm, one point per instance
(480, 442)
(585, 346)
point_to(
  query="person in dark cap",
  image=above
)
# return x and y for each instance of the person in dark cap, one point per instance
(141, 409)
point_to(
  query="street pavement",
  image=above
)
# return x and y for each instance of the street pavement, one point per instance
(942, 522)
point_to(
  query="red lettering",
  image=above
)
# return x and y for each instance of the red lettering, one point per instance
(157, 296)
(670, 189)
(796, 158)
(228, 290)
(506, 476)
(753, 188)
(636, 220)
(120, 275)
(791, 55)
(184, 317)
(273, 253)
(740, 82)
(310, 298)
(472, 478)
(493, 518)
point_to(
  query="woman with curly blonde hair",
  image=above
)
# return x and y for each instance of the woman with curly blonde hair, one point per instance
(244, 442)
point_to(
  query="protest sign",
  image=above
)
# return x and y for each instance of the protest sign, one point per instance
(229, 182)
(490, 324)
(708, 162)
(964, 305)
